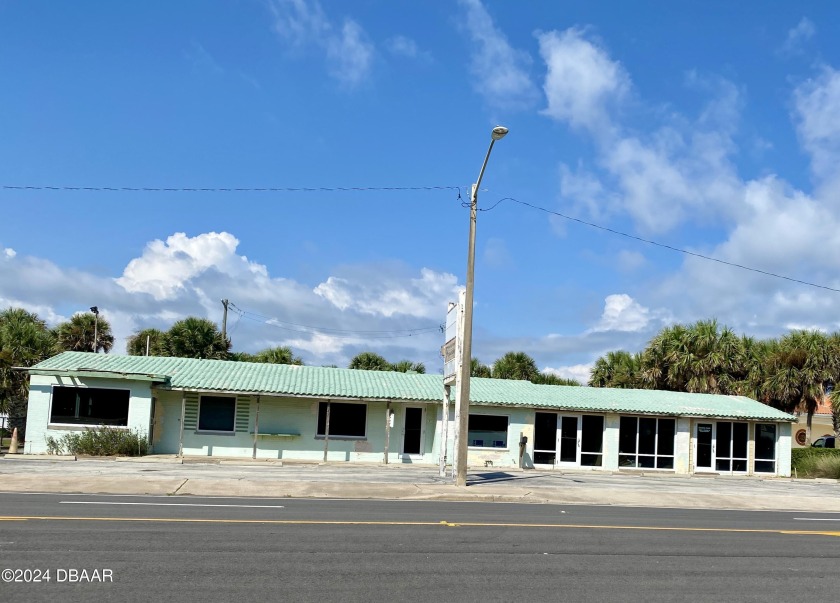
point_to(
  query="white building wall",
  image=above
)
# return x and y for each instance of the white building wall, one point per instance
(611, 424)
(783, 448)
(682, 446)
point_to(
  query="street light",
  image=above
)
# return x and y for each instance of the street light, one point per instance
(95, 310)
(463, 401)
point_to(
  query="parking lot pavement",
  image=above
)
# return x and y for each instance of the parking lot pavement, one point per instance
(167, 476)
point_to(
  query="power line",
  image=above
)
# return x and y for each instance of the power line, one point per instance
(339, 333)
(664, 245)
(268, 189)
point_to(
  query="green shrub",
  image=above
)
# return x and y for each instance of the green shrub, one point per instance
(816, 462)
(100, 441)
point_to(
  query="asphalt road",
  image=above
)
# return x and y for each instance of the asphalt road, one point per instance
(223, 549)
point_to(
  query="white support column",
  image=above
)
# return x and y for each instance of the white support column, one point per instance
(444, 429)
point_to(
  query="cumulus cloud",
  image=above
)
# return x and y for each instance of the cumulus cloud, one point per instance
(346, 46)
(817, 116)
(623, 313)
(9, 253)
(582, 82)
(388, 296)
(358, 308)
(166, 266)
(500, 71)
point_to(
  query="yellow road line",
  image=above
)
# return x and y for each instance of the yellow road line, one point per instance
(335, 522)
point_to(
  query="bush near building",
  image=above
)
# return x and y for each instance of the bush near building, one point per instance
(102, 441)
(816, 462)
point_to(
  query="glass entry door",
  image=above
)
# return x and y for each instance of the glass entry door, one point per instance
(556, 439)
(705, 446)
(569, 449)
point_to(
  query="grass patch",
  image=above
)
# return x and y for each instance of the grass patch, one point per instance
(816, 462)
(100, 441)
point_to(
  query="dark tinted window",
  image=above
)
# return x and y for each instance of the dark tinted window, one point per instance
(89, 406)
(347, 420)
(216, 413)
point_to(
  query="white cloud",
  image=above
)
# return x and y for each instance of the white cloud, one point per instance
(623, 313)
(187, 276)
(582, 83)
(578, 372)
(347, 48)
(165, 267)
(500, 71)
(817, 113)
(9, 253)
(681, 168)
(797, 36)
(421, 297)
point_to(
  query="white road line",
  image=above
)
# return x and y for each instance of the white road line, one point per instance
(151, 504)
(817, 518)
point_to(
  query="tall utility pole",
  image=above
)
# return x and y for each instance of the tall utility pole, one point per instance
(224, 319)
(463, 400)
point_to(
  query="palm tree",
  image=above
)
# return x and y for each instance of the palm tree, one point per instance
(798, 370)
(407, 366)
(552, 379)
(77, 334)
(195, 337)
(699, 358)
(478, 369)
(25, 340)
(277, 355)
(617, 369)
(516, 365)
(369, 361)
(136, 344)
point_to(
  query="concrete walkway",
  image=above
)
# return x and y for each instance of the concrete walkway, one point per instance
(237, 477)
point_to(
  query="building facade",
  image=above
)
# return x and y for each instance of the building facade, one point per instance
(192, 407)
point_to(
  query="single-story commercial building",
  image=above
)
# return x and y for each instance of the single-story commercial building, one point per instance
(237, 409)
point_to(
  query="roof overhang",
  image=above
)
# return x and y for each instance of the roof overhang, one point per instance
(88, 373)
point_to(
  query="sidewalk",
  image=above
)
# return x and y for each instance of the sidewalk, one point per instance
(238, 477)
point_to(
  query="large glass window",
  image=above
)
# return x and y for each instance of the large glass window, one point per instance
(488, 431)
(89, 406)
(731, 444)
(646, 442)
(765, 448)
(346, 420)
(217, 413)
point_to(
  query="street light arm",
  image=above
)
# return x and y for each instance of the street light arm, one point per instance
(483, 167)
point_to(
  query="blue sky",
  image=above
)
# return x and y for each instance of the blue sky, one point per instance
(708, 126)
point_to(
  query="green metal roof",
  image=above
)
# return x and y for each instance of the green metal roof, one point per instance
(320, 382)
